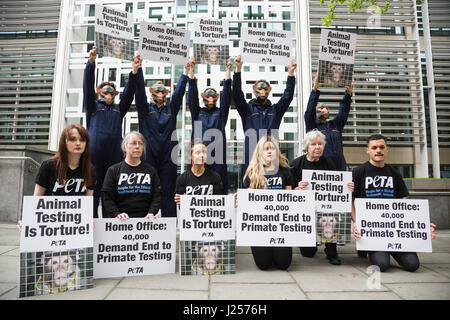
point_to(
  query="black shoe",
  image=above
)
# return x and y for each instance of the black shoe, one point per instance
(334, 260)
(362, 254)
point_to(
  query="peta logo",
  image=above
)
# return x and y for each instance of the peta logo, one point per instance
(379, 182)
(72, 185)
(274, 181)
(135, 178)
(203, 189)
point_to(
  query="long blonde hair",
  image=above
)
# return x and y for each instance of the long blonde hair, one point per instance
(256, 171)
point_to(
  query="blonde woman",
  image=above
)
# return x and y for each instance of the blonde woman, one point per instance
(269, 169)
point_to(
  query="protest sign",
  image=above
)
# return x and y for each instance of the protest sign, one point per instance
(264, 46)
(207, 235)
(279, 218)
(207, 218)
(336, 57)
(164, 44)
(114, 33)
(210, 41)
(331, 192)
(56, 245)
(56, 223)
(133, 247)
(393, 225)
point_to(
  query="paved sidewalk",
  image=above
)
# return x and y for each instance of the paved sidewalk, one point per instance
(306, 279)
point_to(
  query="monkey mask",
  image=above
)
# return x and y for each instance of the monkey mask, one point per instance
(158, 92)
(107, 93)
(210, 97)
(321, 113)
(261, 89)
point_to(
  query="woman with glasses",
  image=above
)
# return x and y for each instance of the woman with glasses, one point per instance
(131, 188)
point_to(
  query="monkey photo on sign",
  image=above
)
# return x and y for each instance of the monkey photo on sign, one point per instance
(211, 54)
(50, 272)
(109, 46)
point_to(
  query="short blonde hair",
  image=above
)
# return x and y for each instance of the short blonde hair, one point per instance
(310, 136)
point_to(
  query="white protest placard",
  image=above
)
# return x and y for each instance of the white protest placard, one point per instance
(275, 218)
(114, 22)
(56, 223)
(264, 46)
(164, 44)
(393, 225)
(114, 33)
(134, 247)
(336, 57)
(210, 41)
(207, 218)
(331, 192)
(210, 31)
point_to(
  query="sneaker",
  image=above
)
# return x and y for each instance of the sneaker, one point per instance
(334, 260)
(362, 254)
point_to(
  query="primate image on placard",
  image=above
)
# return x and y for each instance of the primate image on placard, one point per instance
(334, 227)
(211, 54)
(203, 258)
(51, 272)
(336, 74)
(109, 46)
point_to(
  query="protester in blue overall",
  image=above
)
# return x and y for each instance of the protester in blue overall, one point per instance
(259, 116)
(104, 120)
(211, 117)
(158, 123)
(332, 129)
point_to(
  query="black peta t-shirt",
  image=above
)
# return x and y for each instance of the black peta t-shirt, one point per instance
(374, 182)
(74, 185)
(209, 183)
(279, 180)
(134, 190)
(302, 163)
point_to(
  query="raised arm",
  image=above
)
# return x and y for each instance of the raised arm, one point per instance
(225, 100)
(310, 113)
(89, 94)
(344, 108)
(283, 104)
(130, 87)
(194, 105)
(180, 89)
(140, 96)
(238, 95)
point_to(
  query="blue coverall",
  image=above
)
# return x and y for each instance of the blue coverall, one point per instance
(215, 118)
(104, 123)
(258, 117)
(157, 125)
(332, 129)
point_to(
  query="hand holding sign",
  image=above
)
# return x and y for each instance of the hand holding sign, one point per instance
(238, 62)
(350, 88)
(317, 84)
(93, 54)
(292, 68)
(137, 63)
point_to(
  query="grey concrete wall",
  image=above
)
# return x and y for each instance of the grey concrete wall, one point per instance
(17, 178)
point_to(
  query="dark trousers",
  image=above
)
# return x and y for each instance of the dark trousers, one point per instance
(267, 257)
(330, 250)
(407, 260)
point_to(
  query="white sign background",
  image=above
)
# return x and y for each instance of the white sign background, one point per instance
(327, 205)
(203, 232)
(139, 238)
(279, 42)
(177, 49)
(279, 238)
(114, 31)
(337, 57)
(56, 241)
(212, 37)
(394, 243)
